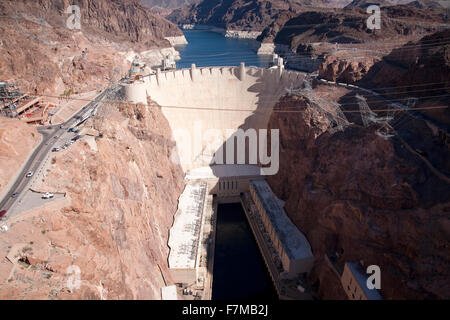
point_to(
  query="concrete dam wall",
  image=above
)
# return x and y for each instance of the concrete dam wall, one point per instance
(206, 106)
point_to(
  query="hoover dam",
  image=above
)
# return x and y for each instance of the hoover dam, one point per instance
(234, 150)
(207, 106)
(219, 118)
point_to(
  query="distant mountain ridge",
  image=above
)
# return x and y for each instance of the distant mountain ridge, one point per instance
(431, 4)
(256, 15)
(167, 4)
(252, 15)
(348, 26)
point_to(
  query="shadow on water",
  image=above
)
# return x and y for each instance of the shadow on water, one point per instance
(239, 269)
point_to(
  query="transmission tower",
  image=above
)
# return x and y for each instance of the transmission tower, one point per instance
(328, 108)
(369, 117)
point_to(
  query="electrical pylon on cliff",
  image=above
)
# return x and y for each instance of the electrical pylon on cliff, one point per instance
(369, 117)
(328, 108)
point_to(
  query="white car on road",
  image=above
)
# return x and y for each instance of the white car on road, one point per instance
(48, 195)
(29, 174)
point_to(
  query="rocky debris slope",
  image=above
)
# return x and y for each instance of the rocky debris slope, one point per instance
(40, 52)
(13, 154)
(359, 197)
(122, 190)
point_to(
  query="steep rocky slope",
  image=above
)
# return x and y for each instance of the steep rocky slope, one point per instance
(13, 154)
(344, 49)
(419, 69)
(248, 15)
(363, 198)
(115, 19)
(122, 190)
(349, 26)
(40, 52)
(407, 66)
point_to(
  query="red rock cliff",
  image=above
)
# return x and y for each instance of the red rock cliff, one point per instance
(43, 55)
(122, 192)
(365, 198)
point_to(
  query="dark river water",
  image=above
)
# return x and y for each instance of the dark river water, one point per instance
(239, 269)
(207, 48)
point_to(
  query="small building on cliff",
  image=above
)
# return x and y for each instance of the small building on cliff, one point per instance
(354, 282)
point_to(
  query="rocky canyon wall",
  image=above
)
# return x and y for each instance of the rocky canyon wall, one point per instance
(121, 194)
(40, 52)
(358, 197)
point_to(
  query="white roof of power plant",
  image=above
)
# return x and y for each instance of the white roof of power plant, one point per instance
(169, 293)
(293, 241)
(184, 234)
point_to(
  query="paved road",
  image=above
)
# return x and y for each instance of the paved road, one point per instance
(50, 138)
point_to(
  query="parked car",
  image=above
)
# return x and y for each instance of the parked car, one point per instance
(76, 138)
(48, 195)
(14, 195)
(29, 174)
(55, 149)
(2, 213)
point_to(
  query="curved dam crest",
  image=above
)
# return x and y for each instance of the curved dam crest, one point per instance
(201, 104)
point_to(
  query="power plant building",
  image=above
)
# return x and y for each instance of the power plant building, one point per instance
(292, 246)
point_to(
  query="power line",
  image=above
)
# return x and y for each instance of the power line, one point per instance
(279, 110)
(372, 100)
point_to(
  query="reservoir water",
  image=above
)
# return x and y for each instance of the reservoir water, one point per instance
(239, 269)
(207, 48)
